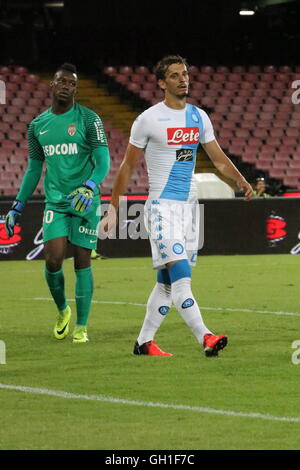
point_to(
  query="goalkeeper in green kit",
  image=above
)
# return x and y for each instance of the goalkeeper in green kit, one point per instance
(70, 139)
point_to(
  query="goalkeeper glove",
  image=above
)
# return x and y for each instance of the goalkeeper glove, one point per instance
(12, 217)
(82, 198)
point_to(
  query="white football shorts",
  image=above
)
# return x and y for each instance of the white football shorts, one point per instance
(173, 228)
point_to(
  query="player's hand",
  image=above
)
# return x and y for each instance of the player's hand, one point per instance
(12, 217)
(244, 186)
(109, 222)
(82, 198)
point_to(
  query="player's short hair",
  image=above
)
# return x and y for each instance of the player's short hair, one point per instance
(66, 67)
(165, 62)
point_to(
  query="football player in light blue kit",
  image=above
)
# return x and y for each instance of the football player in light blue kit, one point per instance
(169, 133)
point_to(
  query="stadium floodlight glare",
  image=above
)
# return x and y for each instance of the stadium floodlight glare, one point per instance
(54, 4)
(246, 12)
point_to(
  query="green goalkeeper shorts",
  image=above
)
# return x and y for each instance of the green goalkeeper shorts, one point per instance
(80, 230)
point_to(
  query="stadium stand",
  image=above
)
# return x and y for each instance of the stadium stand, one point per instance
(251, 109)
(27, 95)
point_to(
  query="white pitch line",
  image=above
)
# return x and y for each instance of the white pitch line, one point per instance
(149, 404)
(227, 309)
(94, 301)
(247, 310)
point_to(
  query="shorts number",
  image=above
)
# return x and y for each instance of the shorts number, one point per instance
(49, 217)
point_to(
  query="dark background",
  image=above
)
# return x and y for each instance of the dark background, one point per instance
(93, 33)
(242, 231)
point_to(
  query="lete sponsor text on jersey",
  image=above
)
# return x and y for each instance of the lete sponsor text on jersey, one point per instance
(183, 135)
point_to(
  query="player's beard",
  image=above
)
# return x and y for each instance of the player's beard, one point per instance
(183, 95)
(65, 102)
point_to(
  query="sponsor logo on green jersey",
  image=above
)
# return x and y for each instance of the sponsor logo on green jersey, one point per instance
(60, 149)
(87, 231)
(100, 131)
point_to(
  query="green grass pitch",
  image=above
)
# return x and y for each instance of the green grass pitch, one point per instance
(244, 399)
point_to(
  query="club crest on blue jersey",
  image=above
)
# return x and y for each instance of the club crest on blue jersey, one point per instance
(195, 117)
(178, 248)
(163, 310)
(187, 303)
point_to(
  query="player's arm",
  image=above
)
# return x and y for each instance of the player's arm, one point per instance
(35, 166)
(137, 142)
(127, 167)
(101, 158)
(227, 168)
(100, 152)
(29, 182)
(82, 197)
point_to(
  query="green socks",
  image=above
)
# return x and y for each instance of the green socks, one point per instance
(83, 294)
(83, 291)
(56, 284)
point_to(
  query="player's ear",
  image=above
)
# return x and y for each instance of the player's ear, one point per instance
(161, 84)
(51, 84)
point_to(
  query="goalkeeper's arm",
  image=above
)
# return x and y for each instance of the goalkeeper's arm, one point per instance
(82, 197)
(30, 180)
(101, 159)
(28, 185)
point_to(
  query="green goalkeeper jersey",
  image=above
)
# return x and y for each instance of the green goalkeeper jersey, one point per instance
(66, 143)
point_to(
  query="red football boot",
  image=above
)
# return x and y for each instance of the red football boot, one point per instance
(150, 348)
(213, 344)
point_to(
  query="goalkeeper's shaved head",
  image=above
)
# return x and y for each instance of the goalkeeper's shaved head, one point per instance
(67, 67)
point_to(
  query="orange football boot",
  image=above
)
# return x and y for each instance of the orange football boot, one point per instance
(150, 348)
(213, 344)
